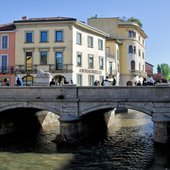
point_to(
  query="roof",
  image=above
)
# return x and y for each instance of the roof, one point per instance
(46, 19)
(149, 64)
(60, 19)
(7, 27)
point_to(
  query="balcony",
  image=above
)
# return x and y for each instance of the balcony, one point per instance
(6, 69)
(52, 68)
(110, 56)
(138, 73)
(135, 72)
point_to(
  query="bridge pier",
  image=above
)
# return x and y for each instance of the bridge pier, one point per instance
(160, 133)
(71, 130)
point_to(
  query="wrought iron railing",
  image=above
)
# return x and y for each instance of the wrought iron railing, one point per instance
(7, 69)
(63, 68)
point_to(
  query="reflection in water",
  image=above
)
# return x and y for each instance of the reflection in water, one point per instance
(128, 146)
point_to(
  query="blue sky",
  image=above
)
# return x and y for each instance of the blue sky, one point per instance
(154, 15)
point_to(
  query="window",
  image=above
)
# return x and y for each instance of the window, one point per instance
(131, 33)
(143, 42)
(132, 65)
(110, 67)
(100, 44)
(107, 51)
(4, 41)
(130, 49)
(4, 63)
(90, 41)
(91, 80)
(139, 67)
(79, 38)
(28, 61)
(59, 60)
(79, 79)
(139, 52)
(43, 57)
(58, 36)
(143, 54)
(43, 36)
(91, 62)
(29, 37)
(101, 63)
(79, 59)
(134, 49)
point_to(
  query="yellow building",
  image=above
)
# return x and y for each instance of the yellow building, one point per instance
(132, 50)
(64, 47)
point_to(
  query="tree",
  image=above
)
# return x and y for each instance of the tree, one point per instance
(164, 69)
(137, 21)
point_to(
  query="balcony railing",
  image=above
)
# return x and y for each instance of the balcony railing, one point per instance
(110, 56)
(64, 68)
(138, 73)
(7, 69)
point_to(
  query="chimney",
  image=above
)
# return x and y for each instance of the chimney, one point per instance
(24, 18)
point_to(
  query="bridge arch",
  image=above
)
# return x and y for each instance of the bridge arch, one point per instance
(40, 106)
(135, 106)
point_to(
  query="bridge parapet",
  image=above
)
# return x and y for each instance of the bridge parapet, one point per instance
(125, 93)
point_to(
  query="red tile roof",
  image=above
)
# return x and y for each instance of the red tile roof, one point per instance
(7, 27)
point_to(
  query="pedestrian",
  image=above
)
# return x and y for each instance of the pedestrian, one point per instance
(19, 81)
(52, 82)
(6, 83)
(138, 83)
(114, 81)
(106, 82)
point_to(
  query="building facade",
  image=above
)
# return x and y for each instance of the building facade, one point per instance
(132, 50)
(66, 48)
(149, 69)
(113, 59)
(7, 55)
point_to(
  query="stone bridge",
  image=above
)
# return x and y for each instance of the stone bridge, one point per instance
(71, 103)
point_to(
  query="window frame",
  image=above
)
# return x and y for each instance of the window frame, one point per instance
(100, 44)
(6, 46)
(58, 65)
(41, 52)
(79, 57)
(79, 80)
(42, 36)
(79, 38)
(32, 37)
(62, 36)
(91, 79)
(4, 68)
(101, 62)
(90, 41)
(90, 58)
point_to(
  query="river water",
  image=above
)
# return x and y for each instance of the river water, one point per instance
(127, 146)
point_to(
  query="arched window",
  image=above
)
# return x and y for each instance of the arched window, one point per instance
(130, 33)
(132, 65)
(130, 49)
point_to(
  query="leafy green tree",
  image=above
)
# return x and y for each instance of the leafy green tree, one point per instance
(164, 69)
(137, 21)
